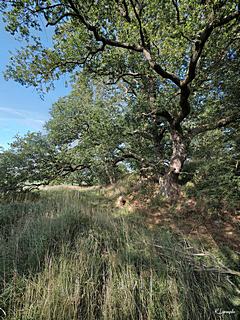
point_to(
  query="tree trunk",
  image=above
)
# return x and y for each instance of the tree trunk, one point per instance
(110, 173)
(179, 154)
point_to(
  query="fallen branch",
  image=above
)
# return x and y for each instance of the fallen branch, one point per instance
(221, 268)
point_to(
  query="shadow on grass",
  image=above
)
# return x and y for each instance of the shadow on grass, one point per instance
(108, 261)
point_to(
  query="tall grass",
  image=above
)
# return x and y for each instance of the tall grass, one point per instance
(69, 255)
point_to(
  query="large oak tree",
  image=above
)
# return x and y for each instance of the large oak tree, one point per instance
(182, 56)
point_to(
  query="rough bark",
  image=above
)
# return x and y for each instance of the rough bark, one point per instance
(170, 185)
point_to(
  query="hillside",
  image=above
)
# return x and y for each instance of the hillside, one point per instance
(74, 254)
(119, 196)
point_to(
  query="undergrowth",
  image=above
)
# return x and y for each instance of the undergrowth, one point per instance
(71, 255)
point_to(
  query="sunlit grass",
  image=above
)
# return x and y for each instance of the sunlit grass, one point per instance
(71, 255)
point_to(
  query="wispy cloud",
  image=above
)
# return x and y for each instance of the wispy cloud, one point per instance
(32, 120)
(13, 122)
(19, 121)
(12, 113)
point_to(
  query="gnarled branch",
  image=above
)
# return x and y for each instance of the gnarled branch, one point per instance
(212, 126)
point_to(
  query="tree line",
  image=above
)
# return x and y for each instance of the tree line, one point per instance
(156, 92)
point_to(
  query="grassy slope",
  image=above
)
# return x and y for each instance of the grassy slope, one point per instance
(72, 255)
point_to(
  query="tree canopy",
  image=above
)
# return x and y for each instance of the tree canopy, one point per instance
(175, 65)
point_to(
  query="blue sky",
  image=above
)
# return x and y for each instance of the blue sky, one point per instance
(22, 109)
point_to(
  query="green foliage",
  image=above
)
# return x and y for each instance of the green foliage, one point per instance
(171, 70)
(27, 161)
(31, 161)
(93, 125)
(216, 176)
(75, 43)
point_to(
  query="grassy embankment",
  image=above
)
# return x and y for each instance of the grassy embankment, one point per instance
(72, 255)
